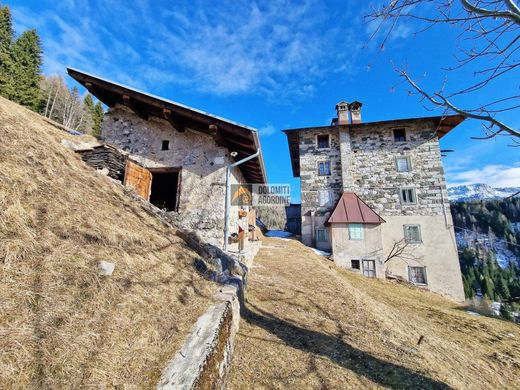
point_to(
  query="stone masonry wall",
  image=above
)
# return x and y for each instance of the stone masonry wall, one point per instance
(363, 160)
(372, 169)
(203, 164)
(311, 182)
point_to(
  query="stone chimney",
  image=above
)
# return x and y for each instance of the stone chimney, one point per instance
(355, 112)
(342, 108)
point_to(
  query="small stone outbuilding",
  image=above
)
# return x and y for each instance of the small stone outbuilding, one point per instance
(177, 156)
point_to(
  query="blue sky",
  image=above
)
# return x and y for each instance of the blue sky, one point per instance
(271, 65)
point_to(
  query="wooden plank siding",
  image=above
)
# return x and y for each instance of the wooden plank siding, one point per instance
(139, 179)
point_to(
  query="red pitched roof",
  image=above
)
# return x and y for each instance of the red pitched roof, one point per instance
(351, 209)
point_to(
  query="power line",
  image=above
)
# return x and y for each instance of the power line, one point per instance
(483, 234)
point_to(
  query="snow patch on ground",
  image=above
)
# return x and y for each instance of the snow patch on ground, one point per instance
(502, 253)
(320, 253)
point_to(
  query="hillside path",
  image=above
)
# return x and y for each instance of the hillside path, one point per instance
(309, 325)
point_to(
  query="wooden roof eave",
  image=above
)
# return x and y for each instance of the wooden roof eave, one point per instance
(235, 137)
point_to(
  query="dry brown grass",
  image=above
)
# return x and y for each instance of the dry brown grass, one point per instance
(313, 326)
(62, 325)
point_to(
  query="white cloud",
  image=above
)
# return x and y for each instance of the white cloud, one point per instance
(276, 48)
(493, 175)
(267, 130)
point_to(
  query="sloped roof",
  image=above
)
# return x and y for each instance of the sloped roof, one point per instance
(351, 209)
(442, 125)
(234, 136)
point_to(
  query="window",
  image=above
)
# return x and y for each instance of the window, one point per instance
(399, 135)
(369, 268)
(354, 264)
(408, 196)
(417, 275)
(165, 145)
(355, 231)
(326, 197)
(323, 141)
(324, 168)
(412, 234)
(403, 164)
(321, 235)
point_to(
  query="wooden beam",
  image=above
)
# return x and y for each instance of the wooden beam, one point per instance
(135, 107)
(217, 135)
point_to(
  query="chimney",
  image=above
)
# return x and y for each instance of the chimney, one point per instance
(355, 112)
(342, 109)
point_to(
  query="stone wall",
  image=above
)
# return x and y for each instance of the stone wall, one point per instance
(373, 174)
(202, 162)
(312, 183)
(363, 160)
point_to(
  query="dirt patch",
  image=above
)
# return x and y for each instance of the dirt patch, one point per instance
(311, 325)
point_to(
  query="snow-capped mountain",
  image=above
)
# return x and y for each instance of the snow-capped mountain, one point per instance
(479, 192)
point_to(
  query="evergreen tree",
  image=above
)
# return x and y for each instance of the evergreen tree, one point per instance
(7, 87)
(27, 55)
(97, 117)
(505, 312)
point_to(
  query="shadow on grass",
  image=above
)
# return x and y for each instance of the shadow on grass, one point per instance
(334, 348)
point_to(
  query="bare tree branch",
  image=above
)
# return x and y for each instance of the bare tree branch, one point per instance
(489, 43)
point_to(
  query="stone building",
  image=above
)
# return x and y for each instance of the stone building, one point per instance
(177, 156)
(374, 194)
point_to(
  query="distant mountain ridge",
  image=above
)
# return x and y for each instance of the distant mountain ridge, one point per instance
(479, 192)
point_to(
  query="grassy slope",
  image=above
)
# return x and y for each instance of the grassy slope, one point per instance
(62, 325)
(313, 326)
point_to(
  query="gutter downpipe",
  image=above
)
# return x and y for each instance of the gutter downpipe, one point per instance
(228, 194)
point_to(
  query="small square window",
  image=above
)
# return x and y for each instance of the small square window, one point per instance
(408, 196)
(165, 145)
(355, 231)
(417, 275)
(321, 235)
(403, 164)
(323, 141)
(324, 168)
(412, 234)
(399, 135)
(326, 197)
(354, 264)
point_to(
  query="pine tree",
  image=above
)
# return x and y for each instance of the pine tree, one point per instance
(502, 289)
(27, 56)
(97, 117)
(7, 87)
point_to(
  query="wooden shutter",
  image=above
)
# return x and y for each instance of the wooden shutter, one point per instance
(139, 179)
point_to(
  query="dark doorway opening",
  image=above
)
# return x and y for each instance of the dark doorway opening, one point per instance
(165, 189)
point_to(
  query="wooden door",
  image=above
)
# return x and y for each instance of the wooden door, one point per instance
(138, 178)
(369, 268)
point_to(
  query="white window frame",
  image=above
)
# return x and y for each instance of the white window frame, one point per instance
(425, 274)
(408, 163)
(330, 168)
(405, 227)
(325, 235)
(414, 195)
(356, 237)
(318, 142)
(330, 198)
